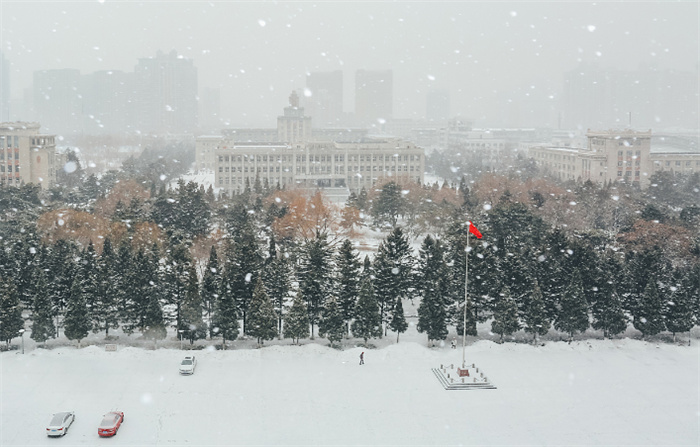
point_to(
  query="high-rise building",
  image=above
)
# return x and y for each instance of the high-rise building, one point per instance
(166, 94)
(4, 88)
(210, 109)
(324, 100)
(374, 97)
(58, 100)
(437, 105)
(642, 98)
(108, 102)
(26, 156)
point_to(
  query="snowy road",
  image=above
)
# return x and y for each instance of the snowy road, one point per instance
(622, 392)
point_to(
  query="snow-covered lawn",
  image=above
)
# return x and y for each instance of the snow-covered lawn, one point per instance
(595, 392)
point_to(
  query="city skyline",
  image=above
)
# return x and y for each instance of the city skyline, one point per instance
(501, 63)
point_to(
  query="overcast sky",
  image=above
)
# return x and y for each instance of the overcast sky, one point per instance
(483, 52)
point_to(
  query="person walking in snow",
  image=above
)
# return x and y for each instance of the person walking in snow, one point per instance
(454, 343)
(362, 358)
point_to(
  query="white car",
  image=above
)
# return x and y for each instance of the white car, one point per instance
(188, 365)
(59, 423)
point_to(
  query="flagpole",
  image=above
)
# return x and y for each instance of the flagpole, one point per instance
(466, 281)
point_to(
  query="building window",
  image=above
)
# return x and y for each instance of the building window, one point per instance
(619, 173)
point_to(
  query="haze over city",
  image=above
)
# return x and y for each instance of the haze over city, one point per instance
(503, 63)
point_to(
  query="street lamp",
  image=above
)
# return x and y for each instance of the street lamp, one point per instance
(181, 331)
(21, 334)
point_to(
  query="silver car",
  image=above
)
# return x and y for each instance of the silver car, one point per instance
(59, 423)
(188, 365)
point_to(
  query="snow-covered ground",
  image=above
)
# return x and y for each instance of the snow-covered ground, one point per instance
(589, 392)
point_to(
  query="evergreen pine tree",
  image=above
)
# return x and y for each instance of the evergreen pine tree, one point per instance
(368, 320)
(315, 276)
(332, 324)
(10, 311)
(348, 281)
(276, 277)
(191, 313)
(262, 319)
(678, 311)
(296, 325)
(505, 314)
(608, 314)
(398, 322)
(535, 317)
(88, 272)
(211, 284)
(110, 281)
(77, 321)
(648, 318)
(243, 266)
(433, 285)
(573, 311)
(225, 315)
(42, 322)
(393, 269)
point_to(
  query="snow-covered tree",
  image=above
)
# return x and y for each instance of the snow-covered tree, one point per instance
(368, 321)
(315, 276)
(678, 310)
(535, 317)
(10, 311)
(332, 324)
(211, 284)
(77, 321)
(505, 314)
(262, 318)
(392, 268)
(648, 318)
(191, 322)
(432, 284)
(42, 321)
(573, 310)
(348, 268)
(397, 319)
(296, 325)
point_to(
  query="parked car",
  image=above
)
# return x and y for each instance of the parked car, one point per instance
(58, 426)
(110, 423)
(188, 364)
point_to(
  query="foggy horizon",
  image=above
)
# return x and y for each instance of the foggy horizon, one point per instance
(487, 55)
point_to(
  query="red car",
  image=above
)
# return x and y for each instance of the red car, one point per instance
(111, 423)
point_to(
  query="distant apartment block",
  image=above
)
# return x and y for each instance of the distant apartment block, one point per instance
(641, 98)
(437, 105)
(615, 155)
(374, 97)
(166, 94)
(58, 102)
(325, 101)
(26, 156)
(4, 88)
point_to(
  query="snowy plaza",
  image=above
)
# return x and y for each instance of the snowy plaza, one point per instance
(592, 392)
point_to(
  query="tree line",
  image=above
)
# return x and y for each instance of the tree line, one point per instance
(127, 250)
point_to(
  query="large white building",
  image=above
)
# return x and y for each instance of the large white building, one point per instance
(615, 155)
(317, 164)
(26, 156)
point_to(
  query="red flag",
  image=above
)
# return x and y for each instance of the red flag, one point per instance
(473, 230)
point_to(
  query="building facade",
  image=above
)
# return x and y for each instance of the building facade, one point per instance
(615, 155)
(317, 164)
(293, 126)
(26, 156)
